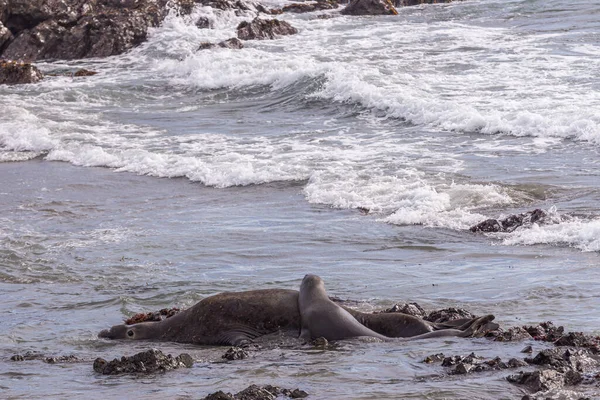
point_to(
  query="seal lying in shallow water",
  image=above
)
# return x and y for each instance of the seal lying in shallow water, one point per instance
(235, 318)
(321, 317)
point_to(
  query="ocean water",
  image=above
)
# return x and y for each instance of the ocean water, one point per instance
(174, 174)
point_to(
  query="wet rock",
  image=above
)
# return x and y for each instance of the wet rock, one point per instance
(12, 73)
(579, 339)
(84, 72)
(509, 223)
(545, 331)
(538, 380)
(434, 358)
(145, 362)
(556, 394)
(152, 316)
(255, 392)
(69, 29)
(309, 7)
(261, 29)
(413, 309)
(512, 334)
(30, 355)
(235, 353)
(5, 36)
(370, 7)
(233, 43)
(448, 314)
(582, 360)
(527, 349)
(203, 23)
(320, 342)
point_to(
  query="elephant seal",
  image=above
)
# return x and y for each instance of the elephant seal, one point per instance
(321, 317)
(236, 318)
(233, 318)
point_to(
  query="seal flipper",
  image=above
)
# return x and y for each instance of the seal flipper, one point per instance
(240, 336)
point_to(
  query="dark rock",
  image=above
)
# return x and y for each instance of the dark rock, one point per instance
(84, 72)
(235, 353)
(309, 7)
(510, 223)
(538, 380)
(448, 314)
(527, 349)
(12, 72)
(203, 23)
(233, 43)
(512, 334)
(68, 29)
(145, 362)
(28, 356)
(516, 363)
(545, 331)
(413, 309)
(320, 342)
(151, 316)
(255, 392)
(434, 358)
(579, 339)
(5, 36)
(370, 7)
(264, 29)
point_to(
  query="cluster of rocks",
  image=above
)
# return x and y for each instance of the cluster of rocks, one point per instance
(235, 353)
(149, 361)
(255, 392)
(153, 316)
(12, 72)
(510, 223)
(437, 316)
(460, 365)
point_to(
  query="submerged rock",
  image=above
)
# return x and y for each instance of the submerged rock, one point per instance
(28, 356)
(404, 3)
(145, 362)
(310, 7)
(264, 29)
(255, 392)
(12, 73)
(235, 353)
(370, 7)
(233, 43)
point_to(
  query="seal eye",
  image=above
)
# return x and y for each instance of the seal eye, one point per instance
(130, 333)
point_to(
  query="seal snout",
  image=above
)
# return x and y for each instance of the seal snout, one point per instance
(105, 333)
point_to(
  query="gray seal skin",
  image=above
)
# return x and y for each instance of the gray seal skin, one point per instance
(236, 318)
(321, 317)
(233, 318)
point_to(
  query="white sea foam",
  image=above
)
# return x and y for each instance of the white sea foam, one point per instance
(583, 235)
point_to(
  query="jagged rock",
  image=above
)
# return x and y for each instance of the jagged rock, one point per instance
(12, 72)
(309, 7)
(235, 353)
(145, 362)
(538, 380)
(5, 36)
(370, 7)
(556, 394)
(434, 358)
(255, 392)
(264, 29)
(509, 223)
(69, 29)
(448, 314)
(203, 23)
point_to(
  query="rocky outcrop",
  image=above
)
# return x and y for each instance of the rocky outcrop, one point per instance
(12, 72)
(264, 29)
(69, 29)
(145, 362)
(370, 7)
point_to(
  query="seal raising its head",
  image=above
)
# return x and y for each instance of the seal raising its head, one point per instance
(321, 317)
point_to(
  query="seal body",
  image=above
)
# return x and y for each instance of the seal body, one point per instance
(236, 318)
(231, 318)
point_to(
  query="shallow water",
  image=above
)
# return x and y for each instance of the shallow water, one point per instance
(173, 175)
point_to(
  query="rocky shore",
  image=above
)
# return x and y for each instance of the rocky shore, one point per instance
(32, 30)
